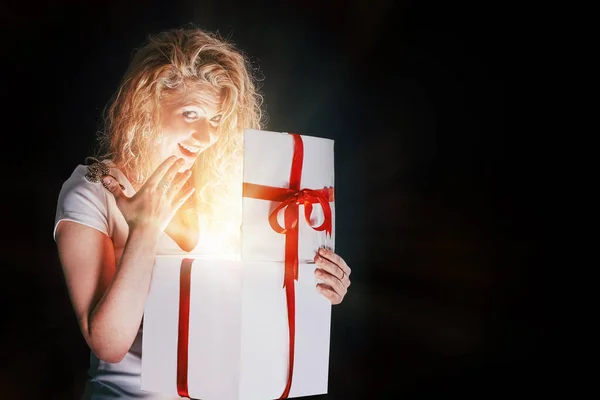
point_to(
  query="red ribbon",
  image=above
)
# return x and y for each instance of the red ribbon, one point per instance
(185, 277)
(290, 199)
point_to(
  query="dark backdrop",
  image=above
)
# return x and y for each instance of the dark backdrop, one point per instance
(434, 192)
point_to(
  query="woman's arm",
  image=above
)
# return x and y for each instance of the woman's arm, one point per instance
(108, 300)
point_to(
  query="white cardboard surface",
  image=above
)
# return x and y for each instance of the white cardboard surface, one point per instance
(238, 338)
(267, 161)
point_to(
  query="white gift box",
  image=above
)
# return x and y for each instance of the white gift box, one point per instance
(217, 327)
(238, 331)
(267, 161)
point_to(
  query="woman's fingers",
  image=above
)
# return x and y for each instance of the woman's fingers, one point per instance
(330, 267)
(168, 178)
(335, 274)
(336, 260)
(335, 265)
(178, 182)
(332, 281)
(114, 187)
(329, 293)
(160, 172)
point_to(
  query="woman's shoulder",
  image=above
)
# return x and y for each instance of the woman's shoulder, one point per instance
(88, 176)
(83, 199)
(82, 181)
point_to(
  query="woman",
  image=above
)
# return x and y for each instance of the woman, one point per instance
(172, 143)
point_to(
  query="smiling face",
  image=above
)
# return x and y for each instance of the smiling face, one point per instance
(189, 123)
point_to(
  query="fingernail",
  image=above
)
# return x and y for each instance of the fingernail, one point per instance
(322, 250)
(106, 181)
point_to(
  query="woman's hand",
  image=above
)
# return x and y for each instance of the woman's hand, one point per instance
(335, 274)
(157, 201)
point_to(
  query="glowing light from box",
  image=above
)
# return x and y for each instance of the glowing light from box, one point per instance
(220, 233)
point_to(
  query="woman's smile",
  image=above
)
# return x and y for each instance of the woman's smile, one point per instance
(188, 150)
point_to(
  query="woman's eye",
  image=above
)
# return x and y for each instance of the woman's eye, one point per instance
(190, 114)
(216, 119)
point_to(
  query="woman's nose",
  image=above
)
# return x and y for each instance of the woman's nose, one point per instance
(202, 132)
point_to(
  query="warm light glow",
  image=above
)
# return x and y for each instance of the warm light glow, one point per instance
(220, 232)
(223, 239)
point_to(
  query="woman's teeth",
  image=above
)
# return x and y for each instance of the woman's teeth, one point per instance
(190, 149)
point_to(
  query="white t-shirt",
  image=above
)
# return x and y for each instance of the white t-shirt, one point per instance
(92, 205)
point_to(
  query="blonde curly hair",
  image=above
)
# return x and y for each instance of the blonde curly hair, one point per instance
(169, 61)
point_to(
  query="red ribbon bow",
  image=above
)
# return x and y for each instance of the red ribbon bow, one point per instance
(304, 197)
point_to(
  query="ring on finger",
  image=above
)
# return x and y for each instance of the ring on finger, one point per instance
(165, 185)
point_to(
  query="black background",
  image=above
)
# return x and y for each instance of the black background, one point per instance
(435, 193)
